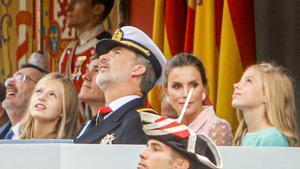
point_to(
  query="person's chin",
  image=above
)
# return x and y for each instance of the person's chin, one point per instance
(34, 114)
(188, 108)
(233, 103)
(10, 101)
(141, 166)
(236, 104)
(83, 92)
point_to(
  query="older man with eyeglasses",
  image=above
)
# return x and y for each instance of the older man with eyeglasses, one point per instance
(5, 124)
(18, 92)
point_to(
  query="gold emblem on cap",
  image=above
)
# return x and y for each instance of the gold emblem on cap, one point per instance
(118, 35)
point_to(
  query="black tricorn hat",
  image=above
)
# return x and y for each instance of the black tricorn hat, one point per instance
(199, 149)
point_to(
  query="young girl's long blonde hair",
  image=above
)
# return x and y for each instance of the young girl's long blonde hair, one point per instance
(280, 105)
(68, 124)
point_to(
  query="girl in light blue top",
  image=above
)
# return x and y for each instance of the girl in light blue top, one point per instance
(264, 99)
(265, 137)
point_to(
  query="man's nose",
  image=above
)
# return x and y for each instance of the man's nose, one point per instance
(9, 82)
(236, 85)
(104, 57)
(87, 76)
(143, 154)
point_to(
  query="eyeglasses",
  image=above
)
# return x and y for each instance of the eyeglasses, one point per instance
(21, 77)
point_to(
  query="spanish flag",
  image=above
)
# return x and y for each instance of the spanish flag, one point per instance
(190, 27)
(168, 34)
(205, 42)
(237, 51)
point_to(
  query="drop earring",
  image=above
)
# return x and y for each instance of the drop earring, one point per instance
(168, 99)
(203, 97)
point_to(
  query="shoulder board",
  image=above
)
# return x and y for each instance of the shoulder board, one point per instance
(148, 110)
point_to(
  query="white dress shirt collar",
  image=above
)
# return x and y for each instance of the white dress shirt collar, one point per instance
(116, 104)
(16, 130)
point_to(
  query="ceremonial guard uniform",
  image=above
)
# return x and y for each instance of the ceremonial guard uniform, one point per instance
(77, 55)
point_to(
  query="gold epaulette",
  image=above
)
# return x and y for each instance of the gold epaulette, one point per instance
(148, 110)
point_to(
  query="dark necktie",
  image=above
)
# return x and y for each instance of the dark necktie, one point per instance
(103, 110)
(9, 134)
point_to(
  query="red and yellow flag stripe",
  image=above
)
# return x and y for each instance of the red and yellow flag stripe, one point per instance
(236, 53)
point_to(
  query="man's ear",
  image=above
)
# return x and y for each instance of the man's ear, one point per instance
(138, 70)
(181, 163)
(98, 9)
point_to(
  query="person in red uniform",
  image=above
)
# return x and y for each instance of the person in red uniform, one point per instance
(86, 16)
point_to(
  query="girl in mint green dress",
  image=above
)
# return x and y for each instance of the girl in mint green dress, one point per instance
(264, 99)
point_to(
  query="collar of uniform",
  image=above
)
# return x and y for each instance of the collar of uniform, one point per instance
(90, 34)
(121, 101)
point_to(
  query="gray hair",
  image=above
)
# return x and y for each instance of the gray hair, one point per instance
(149, 78)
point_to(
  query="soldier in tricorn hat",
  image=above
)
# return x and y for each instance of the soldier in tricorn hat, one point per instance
(173, 145)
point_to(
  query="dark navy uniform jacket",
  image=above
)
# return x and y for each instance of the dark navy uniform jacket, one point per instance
(5, 131)
(123, 126)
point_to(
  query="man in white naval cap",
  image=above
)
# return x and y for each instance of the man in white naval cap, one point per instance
(173, 145)
(130, 65)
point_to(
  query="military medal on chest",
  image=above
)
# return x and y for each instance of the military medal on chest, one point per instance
(78, 67)
(108, 139)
